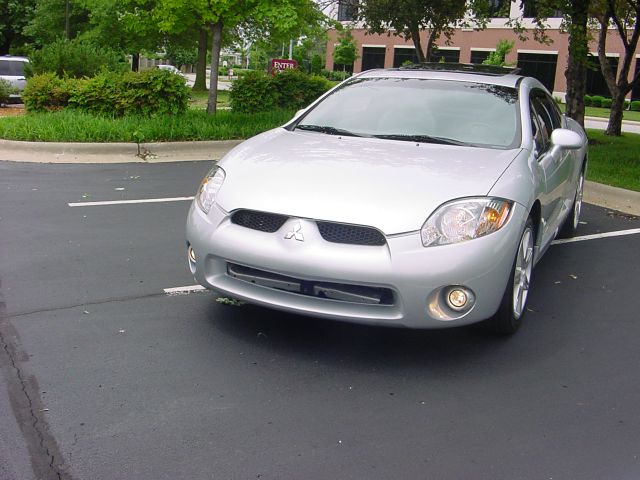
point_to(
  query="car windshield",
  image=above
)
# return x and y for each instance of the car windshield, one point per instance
(420, 110)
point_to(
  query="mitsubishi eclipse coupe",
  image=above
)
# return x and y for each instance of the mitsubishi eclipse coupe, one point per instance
(419, 197)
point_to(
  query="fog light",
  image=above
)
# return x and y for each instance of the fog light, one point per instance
(192, 254)
(457, 298)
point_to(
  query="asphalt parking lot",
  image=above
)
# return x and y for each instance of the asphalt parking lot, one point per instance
(104, 375)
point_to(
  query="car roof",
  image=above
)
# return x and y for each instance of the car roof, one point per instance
(455, 72)
(13, 58)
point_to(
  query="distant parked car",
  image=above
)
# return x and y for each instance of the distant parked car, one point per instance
(419, 197)
(171, 68)
(12, 70)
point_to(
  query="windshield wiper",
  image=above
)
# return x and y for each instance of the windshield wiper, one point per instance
(329, 130)
(424, 139)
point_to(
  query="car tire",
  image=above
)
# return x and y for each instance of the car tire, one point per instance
(570, 225)
(508, 318)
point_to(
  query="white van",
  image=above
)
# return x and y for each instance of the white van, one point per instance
(12, 70)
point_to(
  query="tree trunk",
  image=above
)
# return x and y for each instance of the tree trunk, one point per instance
(415, 36)
(576, 73)
(135, 62)
(200, 85)
(216, 44)
(614, 127)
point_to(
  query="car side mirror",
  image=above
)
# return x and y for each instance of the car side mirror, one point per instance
(566, 139)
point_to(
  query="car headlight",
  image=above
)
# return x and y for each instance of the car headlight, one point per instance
(466, 219)
(209, 188)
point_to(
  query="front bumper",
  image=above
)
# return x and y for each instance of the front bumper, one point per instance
(417, 276)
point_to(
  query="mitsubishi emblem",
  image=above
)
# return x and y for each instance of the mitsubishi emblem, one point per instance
(295, 233)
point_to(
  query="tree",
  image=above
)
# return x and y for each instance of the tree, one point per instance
(407, 18)
(498, 56)
(14, 16)
(55, 19)
(218, 15)
(575, 21)
(345, 53)
(624, 16)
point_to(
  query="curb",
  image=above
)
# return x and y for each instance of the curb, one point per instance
(50, 152)
(614, 198)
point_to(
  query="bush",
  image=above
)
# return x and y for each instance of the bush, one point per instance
(627, 103)
(316, 64)
(253, 92)
(75, 58)
(297, 89)
(5, 91)
(146, 93)
(606, 103)
(596, 101)
(635, 106)
(588, 101)
(46, 92)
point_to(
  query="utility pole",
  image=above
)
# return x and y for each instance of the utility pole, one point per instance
(291, 49)
(67, 32)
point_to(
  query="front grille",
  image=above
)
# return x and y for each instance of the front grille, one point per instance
(342, 292)
(350, 234)
(264, 222)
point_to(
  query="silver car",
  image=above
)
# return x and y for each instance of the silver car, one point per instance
(12, 71)
(419, 197)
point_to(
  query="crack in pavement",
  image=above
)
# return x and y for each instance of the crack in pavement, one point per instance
(16, 315)
(46, 461)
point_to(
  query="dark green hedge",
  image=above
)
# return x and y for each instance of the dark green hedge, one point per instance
(150, 92)
(291, 89)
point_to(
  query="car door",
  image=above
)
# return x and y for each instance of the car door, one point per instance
(555, 163)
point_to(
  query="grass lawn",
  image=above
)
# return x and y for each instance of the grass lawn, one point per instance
(195, 124)
(605, 112)
(199, 99)
(614, 160)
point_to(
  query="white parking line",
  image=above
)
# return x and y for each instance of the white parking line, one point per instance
(184, 290)
(125, 202)
(595, 236)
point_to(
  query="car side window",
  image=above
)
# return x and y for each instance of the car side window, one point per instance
(541, 133)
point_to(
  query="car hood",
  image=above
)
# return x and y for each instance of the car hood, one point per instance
(391, 185)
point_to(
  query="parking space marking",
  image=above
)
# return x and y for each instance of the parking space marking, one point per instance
(595, 236)
(126, 202)
(184, 290)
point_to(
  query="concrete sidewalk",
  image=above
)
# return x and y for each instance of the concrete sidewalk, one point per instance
(47, 152)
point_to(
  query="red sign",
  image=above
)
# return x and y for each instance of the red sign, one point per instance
(280, 64)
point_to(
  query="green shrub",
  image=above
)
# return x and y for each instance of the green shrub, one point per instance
(253, 92)
(606, 103)
(75, 58)
(635, 106)
(146, 93)
(627, 103)
(316, 64)
(153, 92)
(588, 101)
(47, 92)
(297, 89)
(5, 91)
(596, 101)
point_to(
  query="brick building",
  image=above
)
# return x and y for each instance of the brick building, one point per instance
(545, 62)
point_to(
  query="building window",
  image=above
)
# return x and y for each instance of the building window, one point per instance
(448, 56)
(596, 84)
(404, 55)
(372, 57)
(479, 56)
(529, 9)
(499, 8)
(347, 10)
(635, 93)
(541, 66)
